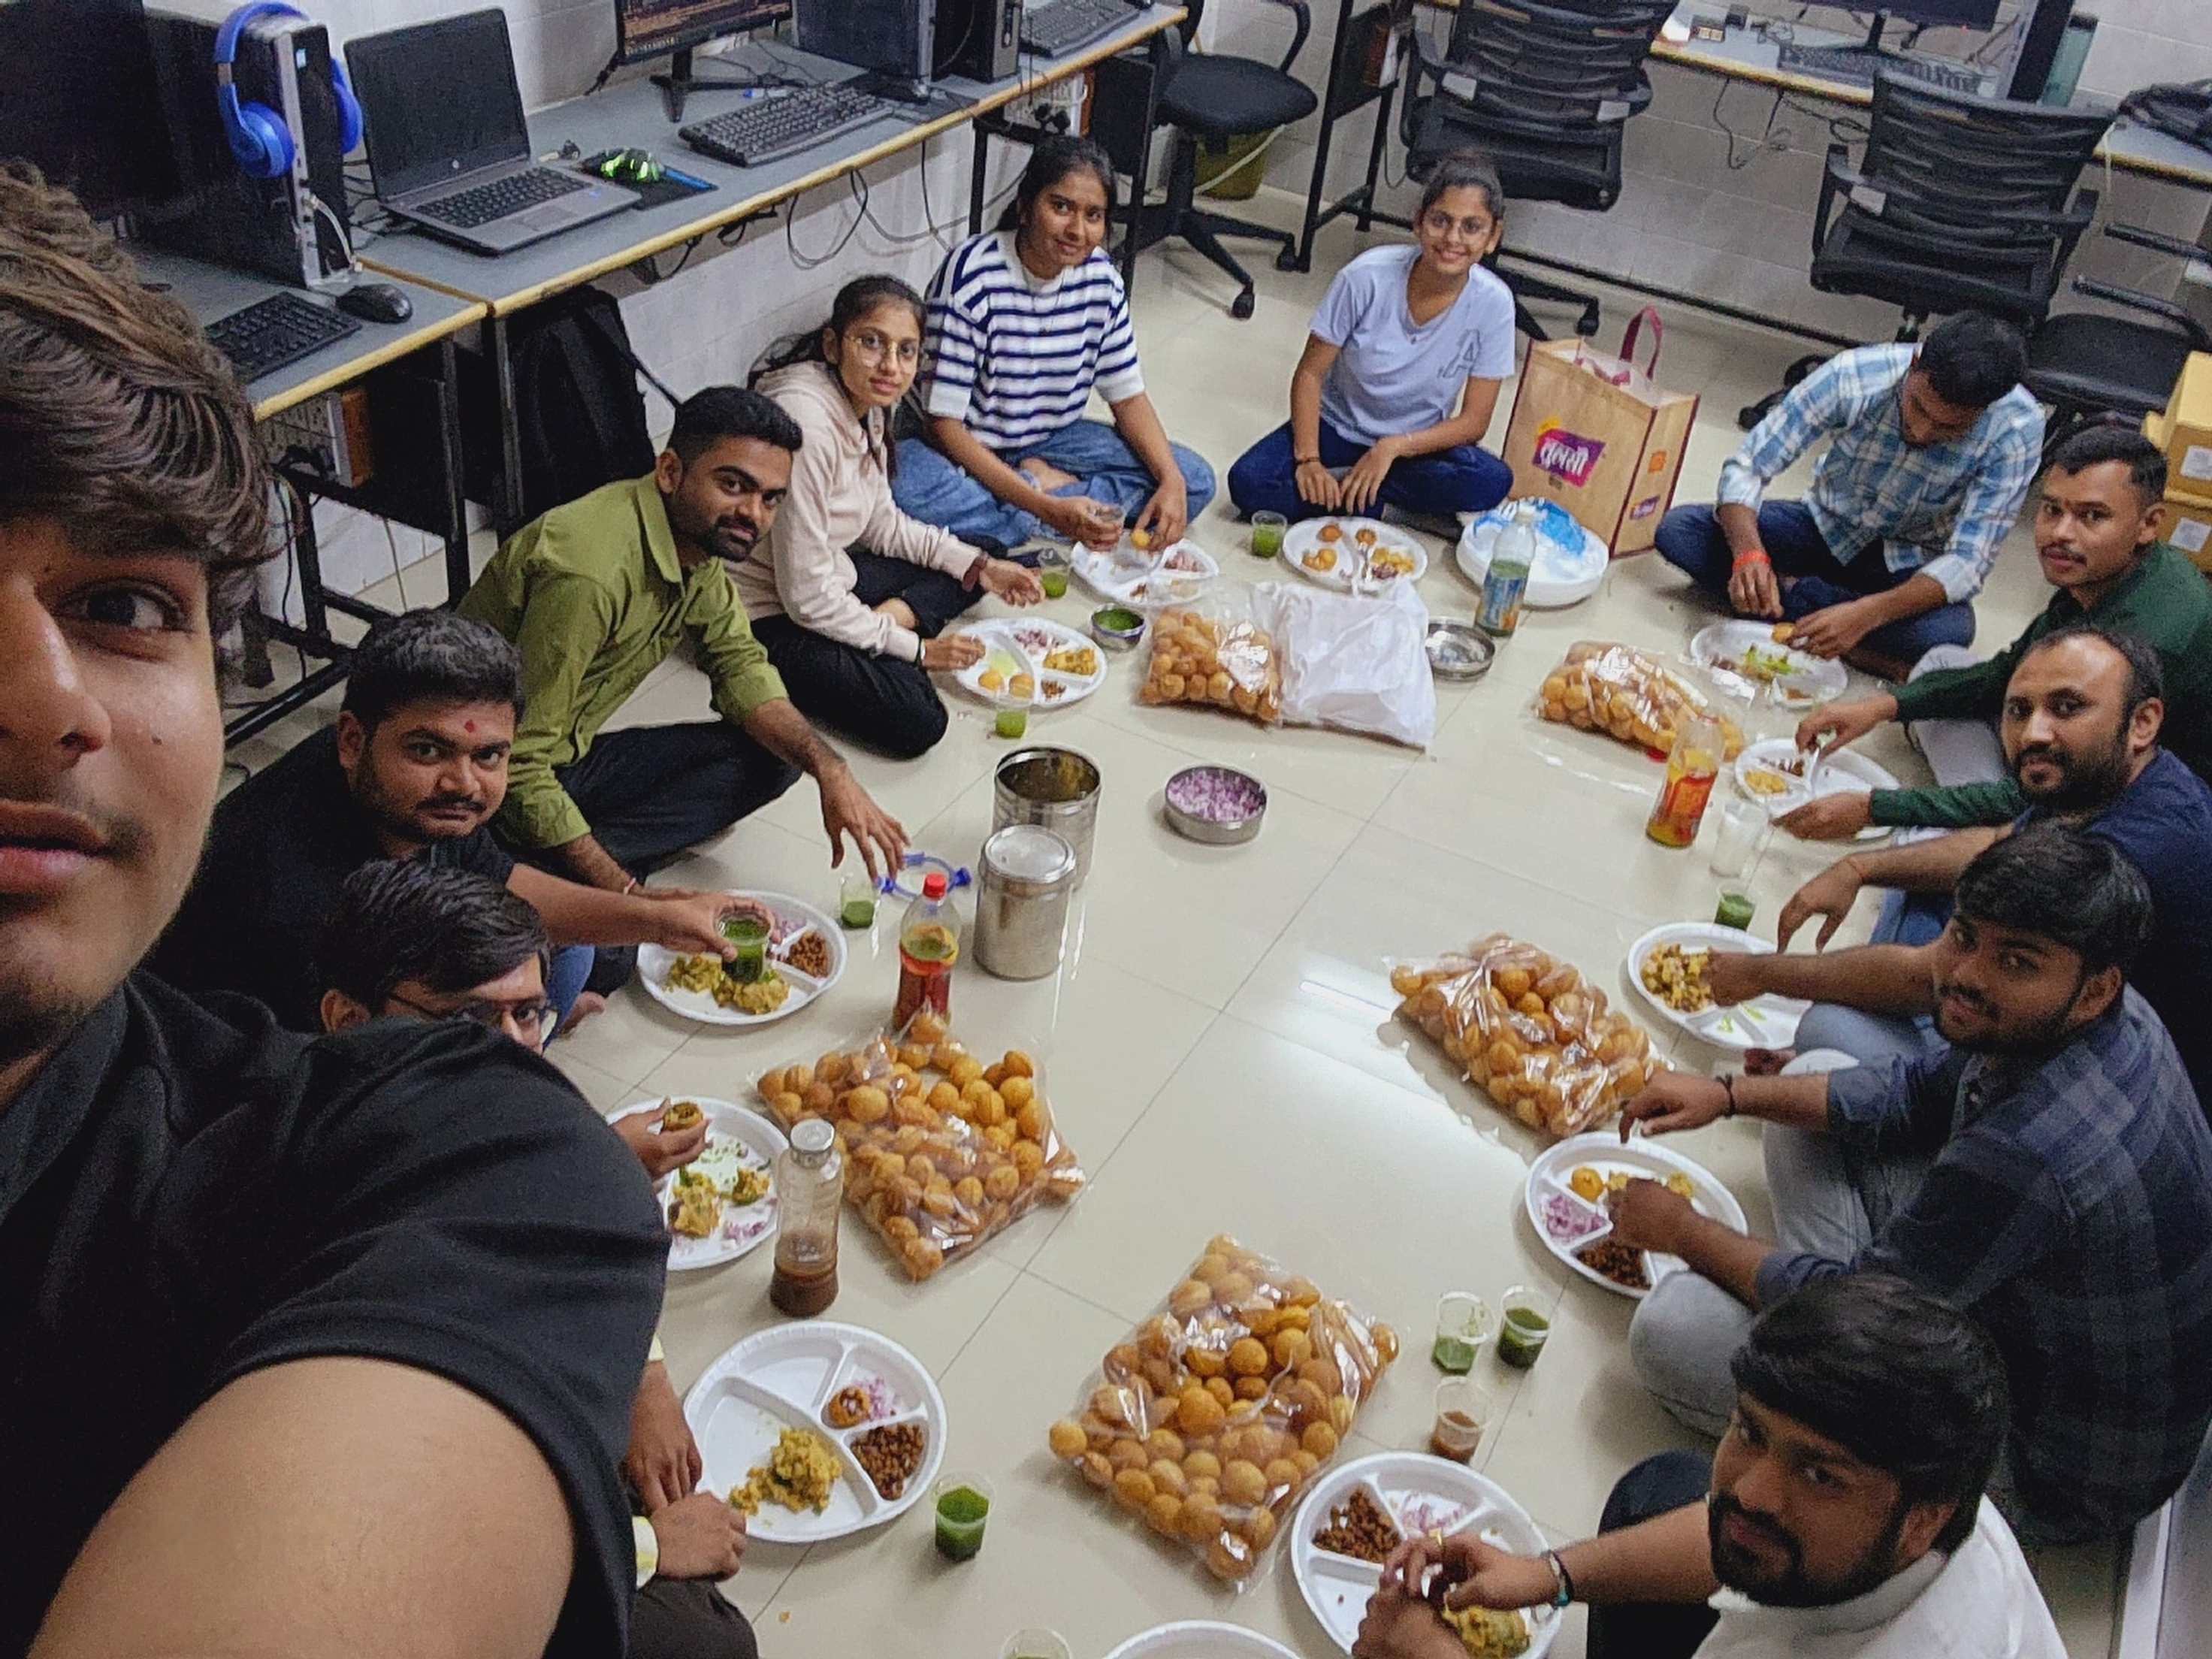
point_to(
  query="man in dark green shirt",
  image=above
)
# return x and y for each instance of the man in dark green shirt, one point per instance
(596, 594)
(2097, 534)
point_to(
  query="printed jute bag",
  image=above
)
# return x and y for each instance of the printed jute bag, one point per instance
(1600, 436)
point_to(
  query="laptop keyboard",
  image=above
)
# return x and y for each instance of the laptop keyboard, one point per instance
(272, 332)
(769, 128)
(1857, 65)
(1053, 28)
(479, 204)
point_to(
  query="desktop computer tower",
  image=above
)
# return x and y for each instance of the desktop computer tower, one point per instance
(267, 226)
(979, 38)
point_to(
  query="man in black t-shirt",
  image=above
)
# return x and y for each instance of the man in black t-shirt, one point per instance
(319, 1347)
(413, 942)
(415, 767)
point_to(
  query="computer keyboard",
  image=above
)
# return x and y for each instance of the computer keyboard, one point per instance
(1857, 65)
(479, 204)
(783, 124)
(272, 332)
(1060, 25)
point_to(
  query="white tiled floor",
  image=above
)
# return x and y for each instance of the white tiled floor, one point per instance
(1219, 1051)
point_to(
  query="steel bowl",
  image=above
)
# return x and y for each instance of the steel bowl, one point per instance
(1459, 651)
(1117, 639)
(1215, 832)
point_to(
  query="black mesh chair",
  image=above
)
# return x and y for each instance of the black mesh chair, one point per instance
(1217, 96)
(2088, 364)
(1961, 203)
(1545, 88)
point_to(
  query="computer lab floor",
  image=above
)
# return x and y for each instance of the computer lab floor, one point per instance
(1218, 1049)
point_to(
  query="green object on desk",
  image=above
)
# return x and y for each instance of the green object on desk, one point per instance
(1455, 1354)
(1734, 910)
(962, 1515)
(1013, 722)
(1053, 578)
(1522, 1337)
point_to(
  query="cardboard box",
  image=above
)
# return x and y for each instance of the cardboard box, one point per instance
(2185, 431)
(2189, 527)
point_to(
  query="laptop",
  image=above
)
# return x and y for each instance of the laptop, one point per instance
(446, 142)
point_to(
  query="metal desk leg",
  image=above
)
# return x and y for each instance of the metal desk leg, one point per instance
(456, 536)
(979, 158)
(1156, 58)
(1375, 155)
(313, 604)
(507, 511)
(1320, 180)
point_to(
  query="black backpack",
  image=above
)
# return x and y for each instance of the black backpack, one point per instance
(577, 409)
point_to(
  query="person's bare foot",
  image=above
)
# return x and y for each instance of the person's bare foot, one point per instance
(586, 1004)
(899, 611)
(1047, 477)
(1766, 1062)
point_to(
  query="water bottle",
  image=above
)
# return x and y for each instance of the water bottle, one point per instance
(1507, 580)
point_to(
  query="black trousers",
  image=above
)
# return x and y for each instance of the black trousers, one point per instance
(888, 705)
(688, 1618)
(1629, 1630)
(652, 791)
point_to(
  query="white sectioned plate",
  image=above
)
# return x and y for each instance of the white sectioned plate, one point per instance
(1304, 539)
(736, 1137)
(1547, 1180)
(1562, 574)
(1844, 771)
(1145, 578)
(783, 1377)
(792, 917)
(1028, 641)
(1764, 1022)
(1792, 678)
(1200, 1639)
(1420, 1493)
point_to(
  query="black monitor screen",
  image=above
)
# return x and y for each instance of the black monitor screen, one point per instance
(1954, 14)
(890, 35)
(78, 100)
(438, 100)
(653, 28)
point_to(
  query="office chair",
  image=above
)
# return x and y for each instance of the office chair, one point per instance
(2085, 364)
(1545, 88)
(1960, 203)
(1217, 96)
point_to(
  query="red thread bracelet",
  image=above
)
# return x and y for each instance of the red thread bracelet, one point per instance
(1752, 556)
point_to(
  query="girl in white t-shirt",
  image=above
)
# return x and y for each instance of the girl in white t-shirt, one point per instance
(1401, 372)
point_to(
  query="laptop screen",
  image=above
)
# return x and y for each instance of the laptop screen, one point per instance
(438, 100)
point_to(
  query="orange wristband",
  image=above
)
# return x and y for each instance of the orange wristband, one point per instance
(1752, 555)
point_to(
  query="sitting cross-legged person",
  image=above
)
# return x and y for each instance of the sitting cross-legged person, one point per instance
(410, 941)
(2050, 1173)
(1842, 1513)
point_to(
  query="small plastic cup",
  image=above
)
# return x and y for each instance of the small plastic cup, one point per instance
(1743, 828)
(1463, 1325)
(1051, 576)
(1736, 908)
(856, 900)
(1012, 722)
(1268, 530)
(962, 1503)
(1037, 1644)
(1464, 1408)
(749, 935)
(1525, 1327)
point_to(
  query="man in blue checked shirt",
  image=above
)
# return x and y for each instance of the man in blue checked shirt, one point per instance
(2049, 1174)
(1932, 451)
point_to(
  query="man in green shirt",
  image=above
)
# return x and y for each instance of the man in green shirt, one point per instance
(2097, 534)
(595, 594)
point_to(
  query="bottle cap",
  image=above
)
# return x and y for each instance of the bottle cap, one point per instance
(812, 1135)
(932, 885)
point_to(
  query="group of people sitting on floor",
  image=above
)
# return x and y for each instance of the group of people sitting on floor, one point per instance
(325, 1291)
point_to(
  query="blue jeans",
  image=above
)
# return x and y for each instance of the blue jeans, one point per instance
(564, 980)
(1463, 479)
(1690, 539)
(932, 489)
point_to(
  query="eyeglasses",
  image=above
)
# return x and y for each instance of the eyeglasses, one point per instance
(533, 1021)
(869, 343)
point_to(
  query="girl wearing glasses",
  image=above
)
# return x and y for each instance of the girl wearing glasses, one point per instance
(848, 594)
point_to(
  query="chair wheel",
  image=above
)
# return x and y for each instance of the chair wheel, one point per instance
(1586, 324)
(1241, 306)
(1287, 259)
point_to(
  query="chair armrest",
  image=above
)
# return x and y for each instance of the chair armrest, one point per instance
(2134, 299)
(2080, 213)
(2156, 243)
(1298, 40)
(1837, 177)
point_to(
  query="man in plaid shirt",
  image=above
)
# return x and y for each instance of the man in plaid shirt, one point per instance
(1932, 452)
(2049, 1174)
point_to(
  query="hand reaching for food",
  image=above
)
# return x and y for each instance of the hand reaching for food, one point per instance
(948, 654)
(1649, 1216)
(1830, 818)
(1831, 894)
(699, 1537)
(1840, 723)
(1674, 1101)
(661, 1149)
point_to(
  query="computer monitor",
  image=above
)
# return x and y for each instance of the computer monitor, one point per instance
(645, 29)
(76, 82)
(1945, 14)
(894, 39)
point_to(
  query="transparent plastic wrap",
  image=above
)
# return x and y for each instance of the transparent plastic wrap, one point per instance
(1213, 653)
(942, 1149)
(1356, 664)
(1211, 1418)
(1530, 1031)
(1626, 694)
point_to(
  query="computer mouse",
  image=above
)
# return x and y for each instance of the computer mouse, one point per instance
(376, 302)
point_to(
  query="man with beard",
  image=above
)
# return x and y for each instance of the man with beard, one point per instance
(1841, 1516)
(2048, 1173)
(414, 768)
(2097, 530)
(312, 1347)
(596, 594)
(2082, 727)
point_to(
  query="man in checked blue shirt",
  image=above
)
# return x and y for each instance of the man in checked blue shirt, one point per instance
(1933, 449)
(2049, 1174)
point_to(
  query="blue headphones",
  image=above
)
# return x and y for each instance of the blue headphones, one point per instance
(258, 137)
